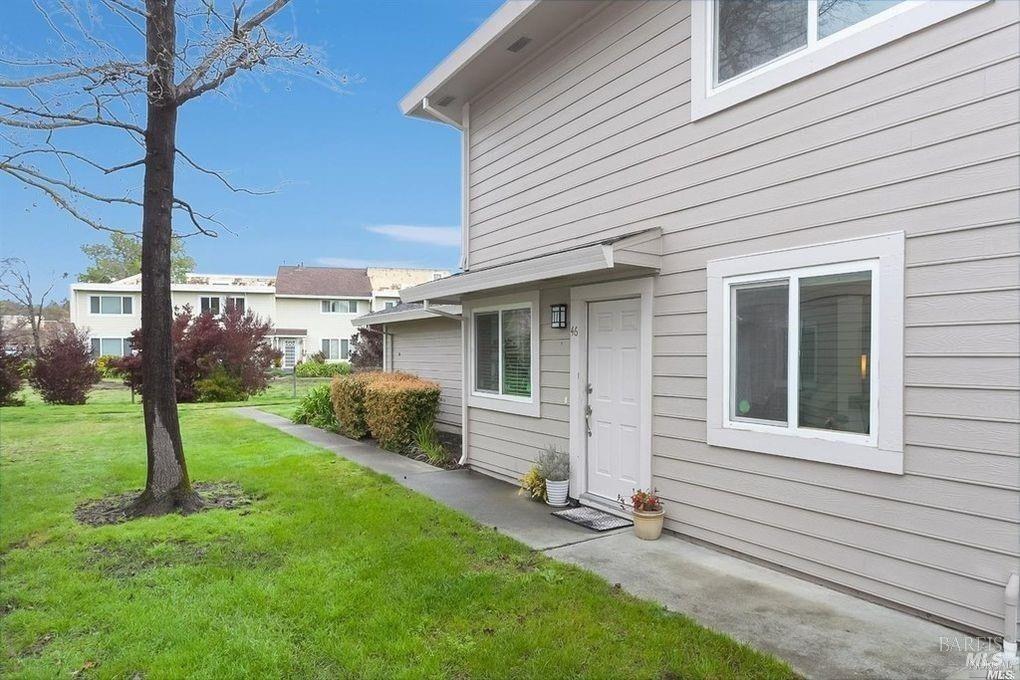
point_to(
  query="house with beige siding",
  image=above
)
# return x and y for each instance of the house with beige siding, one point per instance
(762, 257)
(311, 309)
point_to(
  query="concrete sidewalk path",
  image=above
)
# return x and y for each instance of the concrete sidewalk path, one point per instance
(820, 632)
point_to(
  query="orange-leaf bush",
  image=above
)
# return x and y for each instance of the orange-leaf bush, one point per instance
(395, 405)
(348, 396)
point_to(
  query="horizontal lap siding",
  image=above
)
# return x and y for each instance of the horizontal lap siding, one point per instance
(505, 444)
(431, 349)
(594, 138)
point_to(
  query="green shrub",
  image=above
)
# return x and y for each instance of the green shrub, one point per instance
(316, 409)
(429, 444)
(315, 369)
(107, 370)
(396, 405)
(347, 393)
(220, 386)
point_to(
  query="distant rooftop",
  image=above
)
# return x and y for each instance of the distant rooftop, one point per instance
(338, 281)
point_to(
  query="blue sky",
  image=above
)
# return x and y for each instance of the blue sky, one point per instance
(352, 173)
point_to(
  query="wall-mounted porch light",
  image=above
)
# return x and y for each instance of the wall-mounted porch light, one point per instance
(558, 317)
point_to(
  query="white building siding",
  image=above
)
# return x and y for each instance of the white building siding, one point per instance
(594, 139)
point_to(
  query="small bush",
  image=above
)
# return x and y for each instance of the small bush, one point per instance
(396, 405)
(553, 464)
(220, 386)
(533, 484)
(64, 371)
(315, 369)
(317, 358)
(429, 444)
(107, 366)
(347, 393)
(316, 409)
(11, 377)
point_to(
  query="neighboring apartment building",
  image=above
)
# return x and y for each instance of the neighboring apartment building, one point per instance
(765, 262)
(310, 308)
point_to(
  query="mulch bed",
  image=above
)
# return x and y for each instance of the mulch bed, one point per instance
(112, 509)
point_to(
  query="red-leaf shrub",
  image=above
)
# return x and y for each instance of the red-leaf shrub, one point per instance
(366, 350)
(214, 351)
(11, 363)
(64, 371)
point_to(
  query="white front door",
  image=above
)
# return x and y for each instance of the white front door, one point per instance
(289, 352)
(614, 379)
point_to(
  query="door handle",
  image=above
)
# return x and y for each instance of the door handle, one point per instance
(587, 419)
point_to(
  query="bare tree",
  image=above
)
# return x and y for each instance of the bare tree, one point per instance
(16, 284)
(116, 58)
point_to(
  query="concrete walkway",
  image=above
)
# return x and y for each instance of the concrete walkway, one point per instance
(820, 632)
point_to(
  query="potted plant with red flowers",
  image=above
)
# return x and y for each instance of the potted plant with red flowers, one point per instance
(646, 509)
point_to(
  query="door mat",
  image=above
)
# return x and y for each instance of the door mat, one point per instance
(592, 518)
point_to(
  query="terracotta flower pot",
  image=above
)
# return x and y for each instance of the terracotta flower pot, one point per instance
(556, 493)
(648, 525)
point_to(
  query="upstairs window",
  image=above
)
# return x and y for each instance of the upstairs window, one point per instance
(235, 303)
(339, 306)
(752, 33)
(111, 304)
(743, 48)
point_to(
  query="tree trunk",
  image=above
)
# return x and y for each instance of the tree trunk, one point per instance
(167, 487)
(34, 322)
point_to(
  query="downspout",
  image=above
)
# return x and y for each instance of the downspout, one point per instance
(1009, 632)
(465, 159)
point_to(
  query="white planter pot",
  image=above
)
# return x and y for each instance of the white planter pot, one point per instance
(556, 493)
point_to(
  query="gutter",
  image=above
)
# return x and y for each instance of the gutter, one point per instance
(426, 306)
(1009, 626)
(439, 115)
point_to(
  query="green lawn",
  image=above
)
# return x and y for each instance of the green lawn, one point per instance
(334, 571)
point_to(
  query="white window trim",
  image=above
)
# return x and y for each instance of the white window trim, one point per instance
(525, 406)
(882, 449)
(347, 300)
(109, 337)
(221, 306)
(226, 298)
(331, 340)
(114, 295)
(892, 24)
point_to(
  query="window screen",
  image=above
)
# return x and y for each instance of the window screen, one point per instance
(487, 352)
(759, 327)
(516, 336)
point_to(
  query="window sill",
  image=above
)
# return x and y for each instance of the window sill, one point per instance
(521, 407)
(818, 450)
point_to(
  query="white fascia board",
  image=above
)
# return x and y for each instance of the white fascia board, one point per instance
(443, 312)
(225, 289)
(584, 260)
(495, 26)
(324, 296)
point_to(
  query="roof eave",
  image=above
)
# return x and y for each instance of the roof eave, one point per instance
(491, 30)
